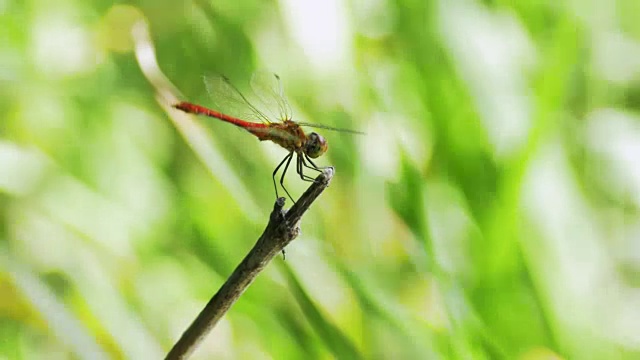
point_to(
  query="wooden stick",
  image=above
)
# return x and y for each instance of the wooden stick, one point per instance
(283, 227)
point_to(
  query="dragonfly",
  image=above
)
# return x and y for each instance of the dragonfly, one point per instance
(270, 118)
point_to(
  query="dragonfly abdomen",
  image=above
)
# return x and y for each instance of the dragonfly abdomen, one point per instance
(201, 110)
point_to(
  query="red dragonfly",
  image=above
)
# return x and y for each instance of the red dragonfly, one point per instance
(233, 107)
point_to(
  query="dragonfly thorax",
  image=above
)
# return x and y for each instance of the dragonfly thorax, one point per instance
(315, 145)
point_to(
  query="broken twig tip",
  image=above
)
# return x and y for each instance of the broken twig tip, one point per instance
(328, 172)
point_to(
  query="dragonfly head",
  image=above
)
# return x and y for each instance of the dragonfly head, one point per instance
(315, 145)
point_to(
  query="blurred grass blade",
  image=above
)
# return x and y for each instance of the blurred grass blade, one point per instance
(417, 339)
(407, 200)
(59, 320)
(192, 131)
(332, 337)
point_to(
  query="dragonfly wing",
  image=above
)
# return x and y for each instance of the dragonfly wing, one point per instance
(226, 98)
(274, 134)
(269, 91)
(320, 126)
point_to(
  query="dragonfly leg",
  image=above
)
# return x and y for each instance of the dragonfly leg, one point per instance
(313, 165)
(288, 157)
(299, 163)
(286, 166)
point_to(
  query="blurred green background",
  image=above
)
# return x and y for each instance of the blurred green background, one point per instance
(491, 211)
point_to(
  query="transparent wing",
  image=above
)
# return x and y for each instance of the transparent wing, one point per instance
(269, 91)
(227, 99)
(320, 126)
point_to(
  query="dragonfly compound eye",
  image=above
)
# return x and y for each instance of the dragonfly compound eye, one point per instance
(315, 146)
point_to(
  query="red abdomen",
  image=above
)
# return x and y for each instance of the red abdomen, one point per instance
(201, 110)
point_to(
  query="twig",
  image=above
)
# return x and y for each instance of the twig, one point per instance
(282, 228)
